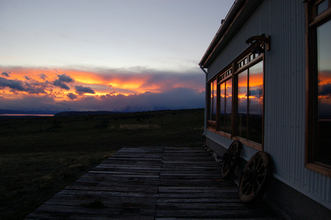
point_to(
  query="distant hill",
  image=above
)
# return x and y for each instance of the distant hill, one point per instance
(8, 111)
(80, 113)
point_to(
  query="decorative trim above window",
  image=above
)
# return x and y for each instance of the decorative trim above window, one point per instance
(239, 104)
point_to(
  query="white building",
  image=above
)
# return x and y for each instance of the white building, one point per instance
(273, 94)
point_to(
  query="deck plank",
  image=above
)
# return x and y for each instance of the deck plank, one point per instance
(152, 183)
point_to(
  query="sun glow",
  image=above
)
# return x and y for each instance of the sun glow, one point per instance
(126, 85)
(67, 84)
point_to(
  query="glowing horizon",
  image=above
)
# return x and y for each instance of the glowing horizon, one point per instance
(68, 86)
(105, 54)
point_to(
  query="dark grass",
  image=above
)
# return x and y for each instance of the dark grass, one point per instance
(40, 156)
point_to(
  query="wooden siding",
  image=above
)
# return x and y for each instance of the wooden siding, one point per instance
(285, 90)
(152, 183)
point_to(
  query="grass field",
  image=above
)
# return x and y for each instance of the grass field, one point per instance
(40, 156)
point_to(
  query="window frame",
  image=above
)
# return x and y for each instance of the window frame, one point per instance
(253, 144)
(221, 77)
(225, 75)
(211, 124)
(313, 21)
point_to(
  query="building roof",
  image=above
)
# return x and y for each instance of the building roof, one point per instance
(239, 11)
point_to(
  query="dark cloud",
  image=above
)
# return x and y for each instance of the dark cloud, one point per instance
(34, 88)
(167, 79)
(32, 102)
(256, 92)
(62, 79)
(167, 90)
(72, 96)
(324, 90)
(60, 84)
(17, 85)
(179, 98)
(43, 76)
(103, 97)
(65, 78)
(13, 84)
(81, 90)
(5, 74)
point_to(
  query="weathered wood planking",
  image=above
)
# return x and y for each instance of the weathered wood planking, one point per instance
(152, 183)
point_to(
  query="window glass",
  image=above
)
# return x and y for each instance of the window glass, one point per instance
(213, 100)
(255, 102)
(222, 106)
(242, 104)
(322, 148)
(228, 105)
(236, 100)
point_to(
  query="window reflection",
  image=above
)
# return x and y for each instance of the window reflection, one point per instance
(255, 102)
(250, 103)
(213, 100)
(228, 105)
(225, 106)
(222, 106)
(322, 148)
(242, 114)
(242, 104)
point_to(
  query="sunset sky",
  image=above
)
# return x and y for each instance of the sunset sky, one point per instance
(133, 55)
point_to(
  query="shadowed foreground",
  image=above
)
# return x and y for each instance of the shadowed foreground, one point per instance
(152, 183)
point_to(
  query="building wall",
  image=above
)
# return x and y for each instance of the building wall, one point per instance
(284, 136)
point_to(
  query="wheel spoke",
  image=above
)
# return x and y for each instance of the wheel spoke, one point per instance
(255, 187)
(256, 175)
(249, 191)
(249, 169)
(231, 158)
(245, 189)
(261, 175)
(226, 166)
(258, 183)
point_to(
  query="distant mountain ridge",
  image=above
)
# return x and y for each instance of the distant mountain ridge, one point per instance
(78, 113)
(67, 113)
(8, 111)
(55, 113)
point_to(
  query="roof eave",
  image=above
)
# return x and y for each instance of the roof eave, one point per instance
(229, 25)
(218, 35)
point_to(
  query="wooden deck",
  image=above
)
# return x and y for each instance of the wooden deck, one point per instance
(152, 183)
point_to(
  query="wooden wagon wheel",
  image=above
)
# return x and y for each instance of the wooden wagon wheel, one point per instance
(255, 177)
(231, 158)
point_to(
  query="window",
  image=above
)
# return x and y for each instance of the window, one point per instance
(239, 100)
(318, 126)
(212, 108)
(250, 103)
(225, 113)
(213, 102)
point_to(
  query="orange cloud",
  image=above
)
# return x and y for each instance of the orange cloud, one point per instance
(324, 77)
(256, 80)
(61, 84)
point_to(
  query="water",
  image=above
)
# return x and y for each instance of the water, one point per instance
(27, 115)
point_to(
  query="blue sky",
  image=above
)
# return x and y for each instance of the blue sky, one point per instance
(149, 38)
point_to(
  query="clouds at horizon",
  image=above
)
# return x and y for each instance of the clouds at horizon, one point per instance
(137, 89)
(62, 79)
(5, 74)
(82, 90)
(29, 86)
